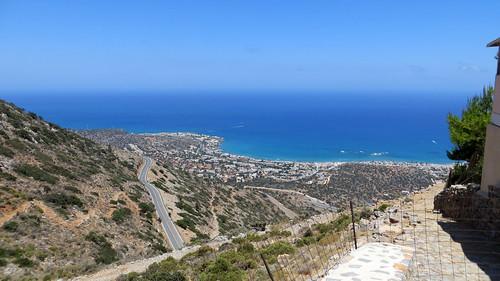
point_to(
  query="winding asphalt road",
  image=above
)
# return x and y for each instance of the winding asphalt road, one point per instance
(168, 226)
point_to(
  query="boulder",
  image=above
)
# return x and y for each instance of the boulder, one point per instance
(393, 220)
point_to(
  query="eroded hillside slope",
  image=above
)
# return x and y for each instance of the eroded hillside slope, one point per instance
(67, 205)
(205, 208)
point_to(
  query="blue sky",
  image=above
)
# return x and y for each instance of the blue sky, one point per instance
(334, 45)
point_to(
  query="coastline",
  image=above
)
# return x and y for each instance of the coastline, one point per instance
(201, 155)
(319, 163)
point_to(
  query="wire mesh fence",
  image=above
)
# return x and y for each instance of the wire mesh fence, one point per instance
(312, 247)
(457, 241)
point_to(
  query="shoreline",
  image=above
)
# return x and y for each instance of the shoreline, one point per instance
(259, 159)
(201, 156)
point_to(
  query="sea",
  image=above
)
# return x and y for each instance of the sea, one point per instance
(292, 126)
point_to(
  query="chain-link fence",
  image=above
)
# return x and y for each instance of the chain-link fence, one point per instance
(458, 239)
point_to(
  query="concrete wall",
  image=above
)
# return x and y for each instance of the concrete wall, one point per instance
(491, 165)
(496, 102)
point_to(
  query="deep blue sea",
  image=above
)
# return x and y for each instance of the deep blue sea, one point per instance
(280, 126)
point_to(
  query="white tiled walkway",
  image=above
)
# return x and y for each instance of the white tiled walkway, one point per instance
(373, 261)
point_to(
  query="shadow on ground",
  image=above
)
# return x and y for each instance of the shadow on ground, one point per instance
(477, 246)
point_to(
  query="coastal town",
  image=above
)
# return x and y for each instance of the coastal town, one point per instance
(201, 155)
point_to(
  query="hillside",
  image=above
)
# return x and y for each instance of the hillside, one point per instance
(70, 206)
(205, 208)
(67, 205)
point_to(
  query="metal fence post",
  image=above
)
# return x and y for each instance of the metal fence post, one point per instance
(267, 267)
(353, 226)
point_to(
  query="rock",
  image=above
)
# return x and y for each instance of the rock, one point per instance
(458, 187)
(414, 220)
(393, 220)
(283, 259)
(473, 187)
(363, 222)
(393, 210)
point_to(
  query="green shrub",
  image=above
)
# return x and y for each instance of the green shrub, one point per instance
(42, 157)
(23, 134)
(159, 247)
(167, 269)
(106, 254)
(96, 238)
(241, 260)
(246, 248)
(33, 115)
(5, 151)
(186, 223)
(383, 207)
(73, 189)
(48, 136)
(279, 233)
(11, 253)
(7, 176)
(11, 226)
(272, 251)
(121, 214)
(16, 144)
(200, 237)
(18, 124)
(252, 237)
(308, 233)
(305, 241)
(135, 195)
(222, 270)
(120, 178)
(168, 276)
(147, 209)
(365, 213)
(341, 222)
(63, 200)
(4, 134)
(36, 173)
(24, 262)
(203, 251)
(53, 169)
(31, 219)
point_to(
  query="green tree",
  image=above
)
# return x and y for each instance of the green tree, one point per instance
(468, 134)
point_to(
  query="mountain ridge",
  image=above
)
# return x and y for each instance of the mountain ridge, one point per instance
(69, 205)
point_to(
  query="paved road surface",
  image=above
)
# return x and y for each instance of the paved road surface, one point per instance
(168, 226)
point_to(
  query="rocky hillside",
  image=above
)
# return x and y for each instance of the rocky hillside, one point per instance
(205, 208)
(67, 205)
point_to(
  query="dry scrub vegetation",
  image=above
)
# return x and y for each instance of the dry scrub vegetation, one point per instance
(67, 205)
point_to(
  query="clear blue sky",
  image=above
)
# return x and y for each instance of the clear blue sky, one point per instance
(425, 45)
